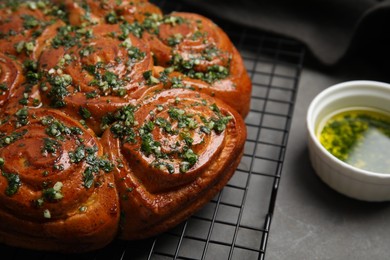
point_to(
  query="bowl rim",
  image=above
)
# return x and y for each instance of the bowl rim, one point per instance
(352, 171)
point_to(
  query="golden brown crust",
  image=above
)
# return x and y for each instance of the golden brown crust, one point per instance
(155, 191)
(50, 190)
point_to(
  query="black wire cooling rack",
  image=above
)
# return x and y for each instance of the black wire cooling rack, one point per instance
(236, 223)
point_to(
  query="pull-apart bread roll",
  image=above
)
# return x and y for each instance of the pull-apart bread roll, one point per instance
(116, 121)
(26, 28)
(173, 151)
(56, 189)
(93, 72)
(196, 47)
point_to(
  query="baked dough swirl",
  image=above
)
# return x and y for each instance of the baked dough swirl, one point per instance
(198, 48)
(95, 73)
(174, 151)
(56, 188)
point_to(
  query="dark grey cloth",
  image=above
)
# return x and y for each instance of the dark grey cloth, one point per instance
(329, 28)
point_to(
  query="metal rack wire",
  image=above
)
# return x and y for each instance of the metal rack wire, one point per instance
(236, 223)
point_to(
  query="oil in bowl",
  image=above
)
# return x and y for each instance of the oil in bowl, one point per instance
(359, 137)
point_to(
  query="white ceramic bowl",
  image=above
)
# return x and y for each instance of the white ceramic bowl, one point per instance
(344, 178)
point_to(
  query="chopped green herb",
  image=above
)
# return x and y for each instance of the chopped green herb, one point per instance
(124, 123)
(149, 146)
(106, 165)
(59, 90)
(36, 102)
(50, 146)
(184, 167)
(46, 213)
(107, 82)
(24, 100)
(178, 83)
(111, 18)
(30, 65)
(53, 194)
(188, 66)
(39, 202)
(215, 73)
(28, 47)
(173, 20)
(86, 51)
(13, 5)
(164, 165)
(164, 124)
(88, 178)
(184, 120)
(175, 39)
(220, 124)
(84, 112)
(66, 37)
(152, 22)
(147, 127)
(78, 155)
(58, 167)
(55, 128)
(88, 154)
(135, 28)
(3, 88)
(135, 54)
(14, 136)
(29, 21)
(150, 79)
(197, 35)
(187, 138)
(92, 94)
(83, 209)
(205, 129)
(211, 53)
(111, 78)
(14, 183)
(190, 157)
(94, 69)
(33, 77)
(22, 117)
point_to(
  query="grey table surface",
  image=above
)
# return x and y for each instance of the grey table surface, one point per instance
(311, 221)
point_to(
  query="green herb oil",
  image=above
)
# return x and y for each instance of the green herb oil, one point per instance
(360, 138)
